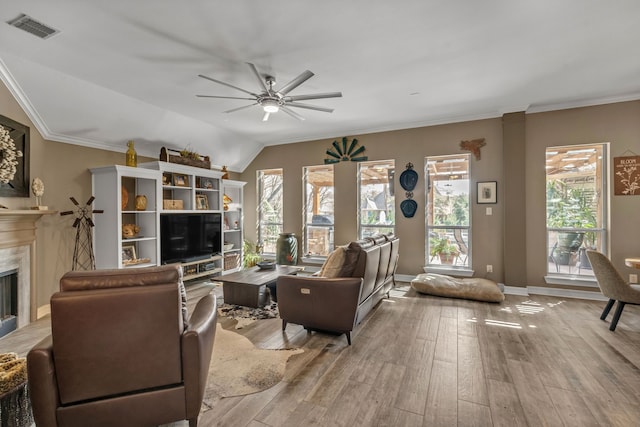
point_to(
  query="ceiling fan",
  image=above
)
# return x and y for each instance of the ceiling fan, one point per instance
(272, 100)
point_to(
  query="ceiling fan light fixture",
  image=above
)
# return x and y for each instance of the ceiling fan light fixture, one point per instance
(270, 106)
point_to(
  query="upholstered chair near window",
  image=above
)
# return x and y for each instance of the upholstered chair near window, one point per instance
(613, 286)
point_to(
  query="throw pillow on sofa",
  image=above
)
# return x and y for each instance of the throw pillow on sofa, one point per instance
(340, 263)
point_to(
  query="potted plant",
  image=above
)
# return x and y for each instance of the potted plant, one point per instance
(250, 256)
(444, 249)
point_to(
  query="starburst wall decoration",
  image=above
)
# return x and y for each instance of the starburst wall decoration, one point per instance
(340, 152)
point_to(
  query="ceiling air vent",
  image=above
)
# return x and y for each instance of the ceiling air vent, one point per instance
(30, 25)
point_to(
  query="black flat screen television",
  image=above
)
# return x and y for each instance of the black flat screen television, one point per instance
(189, 236)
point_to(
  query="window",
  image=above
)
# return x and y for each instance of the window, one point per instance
(377, 203)
(269, 208)
(576, 207)
(448, 215)
(318, 210)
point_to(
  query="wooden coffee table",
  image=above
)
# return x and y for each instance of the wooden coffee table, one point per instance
(248, 287)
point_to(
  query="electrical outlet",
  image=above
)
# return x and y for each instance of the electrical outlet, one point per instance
(633, 278)
(489, 211)
(489, 268)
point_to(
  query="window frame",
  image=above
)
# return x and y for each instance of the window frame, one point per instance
(262, 223)
(444, 230)
(308, 226)
(391, 208)
(554, 273)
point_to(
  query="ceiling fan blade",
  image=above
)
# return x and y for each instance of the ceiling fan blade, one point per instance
(295, 82)
(309, 107)
(240, 108)
(263, 83)
(224, 97)
(266, 116)
(291, 113)
(313, 96)
(227, 84)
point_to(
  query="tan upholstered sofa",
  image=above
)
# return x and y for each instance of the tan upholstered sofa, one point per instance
(121, 351)
(353, 280)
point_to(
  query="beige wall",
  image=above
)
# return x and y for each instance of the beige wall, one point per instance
(618, 124)
(404, 146)
(64, 169)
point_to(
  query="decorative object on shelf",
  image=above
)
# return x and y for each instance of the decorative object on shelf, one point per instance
(124, 198)
(129, 254)
(626, 175)
(180, 180)
(487, 192)
(205, 183)
(338, 153)
(190, 158)
(129, 231)
(132, 156)
(83, 258)
(287, 249)
(141, 202)
(225, 201)
(227, 246)
(37, 188)
(166, 179)
(225, 174)
(173, 205)
(236, 226)
(409, 178)
(473, 146)
(202, 202)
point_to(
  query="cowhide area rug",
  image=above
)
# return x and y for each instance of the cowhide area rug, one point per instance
(237, 367)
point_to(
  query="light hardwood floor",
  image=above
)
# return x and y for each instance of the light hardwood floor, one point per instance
(426, 361)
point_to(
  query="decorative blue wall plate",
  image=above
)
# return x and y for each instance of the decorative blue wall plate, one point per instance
(409, 179)
(408, 208)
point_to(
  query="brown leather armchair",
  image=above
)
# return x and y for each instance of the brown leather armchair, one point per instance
(120, 351)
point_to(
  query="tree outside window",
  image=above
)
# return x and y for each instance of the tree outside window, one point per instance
(270, 208)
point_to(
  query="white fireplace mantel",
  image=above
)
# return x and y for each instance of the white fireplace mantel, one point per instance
(18, 228)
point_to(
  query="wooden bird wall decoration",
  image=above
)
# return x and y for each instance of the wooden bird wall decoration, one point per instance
(473, 146)
(339, 152)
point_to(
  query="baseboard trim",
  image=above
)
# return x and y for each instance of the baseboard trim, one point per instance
(566, 293)
(516, 290)
(43, 310)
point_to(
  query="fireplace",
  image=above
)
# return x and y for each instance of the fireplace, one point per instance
(18, 261)
(8, 302)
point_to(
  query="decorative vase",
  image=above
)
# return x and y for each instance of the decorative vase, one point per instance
(132, 156)
(287, 249)
(141, 202)
(125, 198)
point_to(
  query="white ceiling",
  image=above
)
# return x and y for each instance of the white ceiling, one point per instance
(121, 70)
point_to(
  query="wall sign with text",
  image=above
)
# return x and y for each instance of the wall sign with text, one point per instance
(626, 176)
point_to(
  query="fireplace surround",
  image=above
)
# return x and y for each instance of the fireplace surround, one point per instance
(18, 252)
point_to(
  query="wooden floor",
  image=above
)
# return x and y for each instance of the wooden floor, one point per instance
(428, 361)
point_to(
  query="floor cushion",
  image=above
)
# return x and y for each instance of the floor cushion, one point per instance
(477, 289)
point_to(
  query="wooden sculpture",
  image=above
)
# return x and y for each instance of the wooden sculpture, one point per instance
(474, 146)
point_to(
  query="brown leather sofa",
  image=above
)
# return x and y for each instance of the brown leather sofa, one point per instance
(120, 351)
(340, 302)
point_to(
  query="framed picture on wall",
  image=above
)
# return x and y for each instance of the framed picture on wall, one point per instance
(487, 192)
(19, 185)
